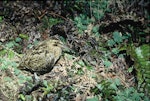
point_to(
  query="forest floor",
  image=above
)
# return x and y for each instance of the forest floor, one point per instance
(89, 70)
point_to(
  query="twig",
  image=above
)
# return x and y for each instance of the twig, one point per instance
(58, 15)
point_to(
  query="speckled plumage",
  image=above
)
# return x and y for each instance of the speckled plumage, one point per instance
(41, 58)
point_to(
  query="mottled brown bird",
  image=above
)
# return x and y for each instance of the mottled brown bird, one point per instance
(42, 58)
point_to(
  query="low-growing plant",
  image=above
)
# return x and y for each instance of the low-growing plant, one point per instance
(6, 55)
(5, 64)
(117, 39)
(130, 94)
(140, 55)
(48, 87)
(48, 22)
(99, 8)
(106, 90)
(82, 22)
(112, 90)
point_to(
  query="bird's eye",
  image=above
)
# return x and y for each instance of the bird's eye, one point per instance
(55, 44)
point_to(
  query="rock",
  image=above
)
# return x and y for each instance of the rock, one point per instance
(42, 58)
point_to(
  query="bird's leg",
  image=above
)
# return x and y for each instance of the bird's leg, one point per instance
(36, 77)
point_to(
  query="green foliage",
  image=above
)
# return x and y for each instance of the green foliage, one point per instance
(15, 43)
(82, 22)
(1, 18)
(22, 97)
(5, 64)
(11, 44)
(8, 79)
(130, 94)
(140, 56)
(97, 11)
(23, 78)
(112, 90)
(81, 63)
(109, 90)
(53, 21)
(93, 99)
(105, 90)
(23, 36)
(117, 39)
(130, 69)
(84, 64)
(33, 44)
(18, 39)
(7, 54)
(107, 63)
(115, 51)
(95, 29)
(48, 87)
(17, 71)
(98, 8)
(48, 22)
(25, 97)
(111, 42)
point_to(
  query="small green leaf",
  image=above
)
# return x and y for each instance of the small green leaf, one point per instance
(10, 54)
(48, 88)
(80, 71)
(16, 72)
(62, 39)
(97, 34)
(35, 42)
(89, 67)
(22, 78)
(10, 44)
(99, 86)
(18, 39)
(13, 64)
(3, 52)
(95, 29)
(45, 83)
(28, 78)
(23, 36)
(81, 63)
(8, 79)
(113, 86)
(117, 37)
(115, 50)
(111, 42)
(29, 46)
(139, 52)
(93, 99)
(29, 98)
(1, 18)
(69, 56)
(107, 63)
(22, 97)
(117, 82)
(130, 69)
